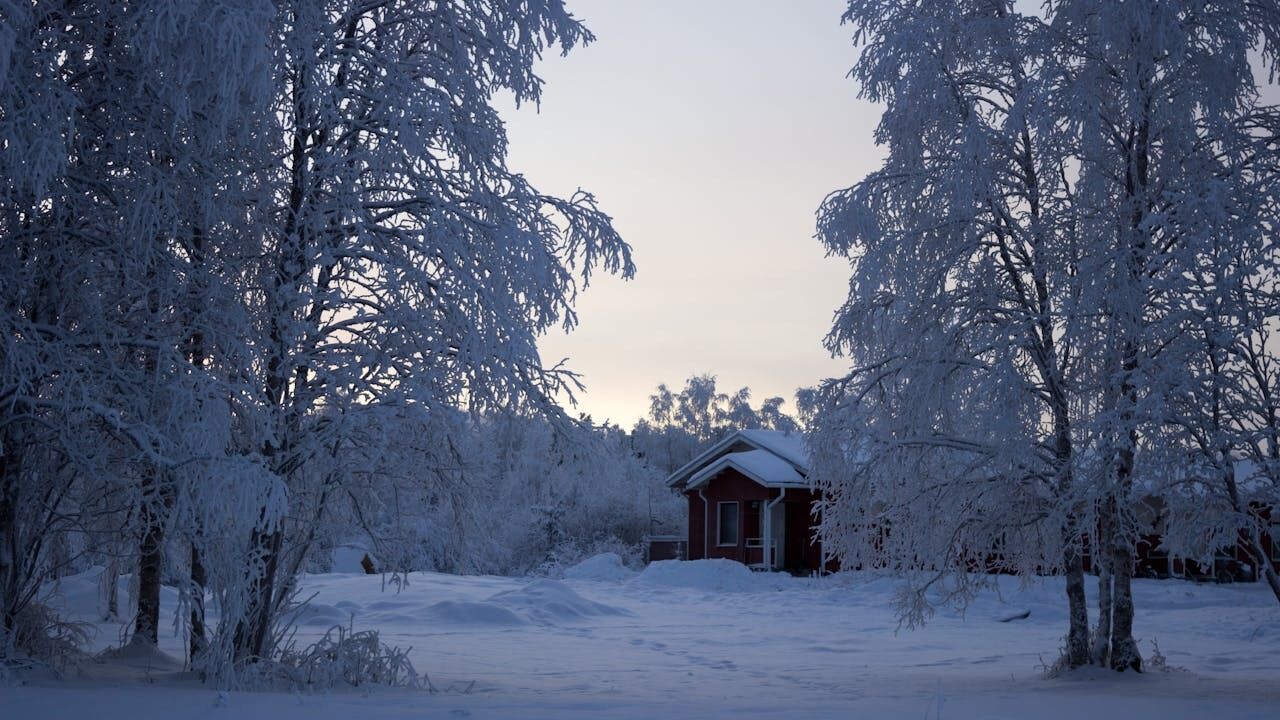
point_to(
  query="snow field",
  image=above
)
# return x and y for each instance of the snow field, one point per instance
(705, 639)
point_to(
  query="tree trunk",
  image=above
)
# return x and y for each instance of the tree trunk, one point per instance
(1124, 651)
(196, 354)
(1269, 573)
(8, 547)
(1103, 558)
(1077, 651)
(253, 630)
(111, 587)
(151, 548)
(1136, 248)
(196, 639)
(147, 620)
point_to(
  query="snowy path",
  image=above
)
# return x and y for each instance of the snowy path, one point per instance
(767, 648)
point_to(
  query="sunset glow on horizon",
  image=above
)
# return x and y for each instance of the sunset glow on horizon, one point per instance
(712, 157)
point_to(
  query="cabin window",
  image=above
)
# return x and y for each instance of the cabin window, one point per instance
(727, 525)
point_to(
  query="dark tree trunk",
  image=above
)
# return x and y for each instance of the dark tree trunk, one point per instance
(8, 547)
(1077, 651)
(196, 640)
(253, 631)
(111, 586)
(147, 622)
(1103, 557)
(1124, 650)
(151, 516)
(1261, 558)
(1262, 561)
(1269, 573)
(196, 353)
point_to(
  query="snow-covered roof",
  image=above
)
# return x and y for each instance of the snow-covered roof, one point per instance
(759, 454)
(789, 446)
(762, 466)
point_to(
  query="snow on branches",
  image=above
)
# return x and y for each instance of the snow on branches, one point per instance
(236, 235)
(1048, 292)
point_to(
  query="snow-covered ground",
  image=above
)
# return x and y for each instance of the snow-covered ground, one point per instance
(713, 640)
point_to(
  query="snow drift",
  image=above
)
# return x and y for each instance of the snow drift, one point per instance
(552, 602)
(717, 575)
(605, 567)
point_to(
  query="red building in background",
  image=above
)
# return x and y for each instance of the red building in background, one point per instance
(750, 501)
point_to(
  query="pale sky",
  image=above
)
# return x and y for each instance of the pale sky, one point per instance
(710, 130)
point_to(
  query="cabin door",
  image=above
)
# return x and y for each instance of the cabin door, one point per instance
(801, 553)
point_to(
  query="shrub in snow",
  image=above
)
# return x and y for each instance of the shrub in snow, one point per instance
(345, 657)
(1158, 662)
(39, 639)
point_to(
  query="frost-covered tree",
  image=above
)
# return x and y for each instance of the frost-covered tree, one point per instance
(236, 236)
(1022, 279)
(1157, 97)
(953, 435)
(680, 424)
(133, 158)
(1221, 428)
(502, 494)
(404, 263)
(42, 277)
(567, 493)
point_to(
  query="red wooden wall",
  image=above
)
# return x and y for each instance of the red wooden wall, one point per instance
(801, 551)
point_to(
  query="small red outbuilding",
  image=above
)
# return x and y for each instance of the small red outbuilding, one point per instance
(750, 501)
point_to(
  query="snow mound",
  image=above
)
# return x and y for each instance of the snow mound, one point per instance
(1011, 615)
(465, 612)
(321, 615)
(551, 601)
(139, 653)
(605, 567)
(716, 575)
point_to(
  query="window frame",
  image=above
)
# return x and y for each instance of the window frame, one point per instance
(721, 506)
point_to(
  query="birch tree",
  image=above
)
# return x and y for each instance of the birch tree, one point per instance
(1222, 428)
(1024, 277)
(1154, 92)
(404, 263)
(953, 435)
(116, 128)
(236, 234)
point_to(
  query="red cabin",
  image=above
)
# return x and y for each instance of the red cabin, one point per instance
(750, 501)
